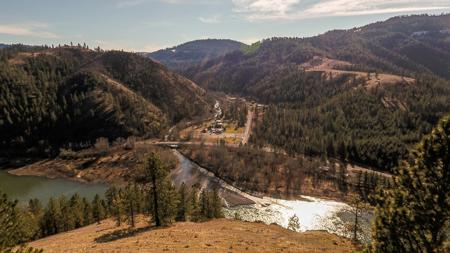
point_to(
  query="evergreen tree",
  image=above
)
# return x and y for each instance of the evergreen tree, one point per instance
(216, 204)
(194, 203)
(183, 204)
(98, 209)
(35, 207)
(162, 195)
(10, 227)
(117, 207)
(52, 218)
(414, 215)
(87, 212)
(76, 211)
(205, 206)
(68, 219)
(131, 204)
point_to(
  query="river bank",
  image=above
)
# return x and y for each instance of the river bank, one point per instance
(115, 166)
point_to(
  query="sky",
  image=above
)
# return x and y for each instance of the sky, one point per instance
(148, 25)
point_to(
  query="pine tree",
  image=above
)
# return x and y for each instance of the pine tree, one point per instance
(162, 195)
(205, 205)
(109, 194)
(35, 207)
(195, 207)
(76, 211)
(183, 204)
(87, 212)
(117, 208)
(98, 210)
(68, 219)
(131, 203)
(216, 204)
(10, 228)
(52, 218)
(414, 215)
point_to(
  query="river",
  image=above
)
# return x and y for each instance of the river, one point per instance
(24, 188)
(313, 213)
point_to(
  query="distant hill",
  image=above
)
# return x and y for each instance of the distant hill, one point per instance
(3, 45)
(56, 97)
(363, 95)
(194, 52)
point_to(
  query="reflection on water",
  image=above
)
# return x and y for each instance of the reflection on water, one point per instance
(313, 213)
(24, 188)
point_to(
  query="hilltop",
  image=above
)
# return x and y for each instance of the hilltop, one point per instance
(194, 52)
(213, 236)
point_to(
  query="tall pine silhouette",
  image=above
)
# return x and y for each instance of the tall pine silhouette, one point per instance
(413, 216)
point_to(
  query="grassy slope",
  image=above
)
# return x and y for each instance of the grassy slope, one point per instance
(214, 236)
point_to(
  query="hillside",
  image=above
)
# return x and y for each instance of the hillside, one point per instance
(213, 236)
(71, 95)
(363, 95)
(400, 45)
(194, 52)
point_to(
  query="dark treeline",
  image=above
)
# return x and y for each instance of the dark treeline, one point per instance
(52, 96)
(275, 174)
(371, 127)
(152, 195)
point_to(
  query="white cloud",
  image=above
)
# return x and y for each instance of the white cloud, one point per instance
(264, 9)
(363, 7)
(33, 29)
(254, 10)
(210, 20)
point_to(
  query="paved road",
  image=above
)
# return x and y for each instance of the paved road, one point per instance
(248, 125)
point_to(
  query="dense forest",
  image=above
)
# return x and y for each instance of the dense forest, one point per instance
(373, 128)
(50, 97)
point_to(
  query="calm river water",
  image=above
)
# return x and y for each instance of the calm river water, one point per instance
(24, 188)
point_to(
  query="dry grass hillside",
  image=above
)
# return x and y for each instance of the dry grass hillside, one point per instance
(214, 236)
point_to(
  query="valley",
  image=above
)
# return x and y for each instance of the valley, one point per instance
(322, 143)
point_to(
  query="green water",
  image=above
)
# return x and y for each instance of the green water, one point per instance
(24, 188)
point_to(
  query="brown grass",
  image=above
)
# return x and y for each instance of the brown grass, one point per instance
(214, 236)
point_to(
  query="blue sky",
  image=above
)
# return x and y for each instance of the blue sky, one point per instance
(147, 25)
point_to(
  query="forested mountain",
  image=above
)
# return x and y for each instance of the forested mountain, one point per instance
(53, 97)
(364, 95)
(400, 45)
(194, 52)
